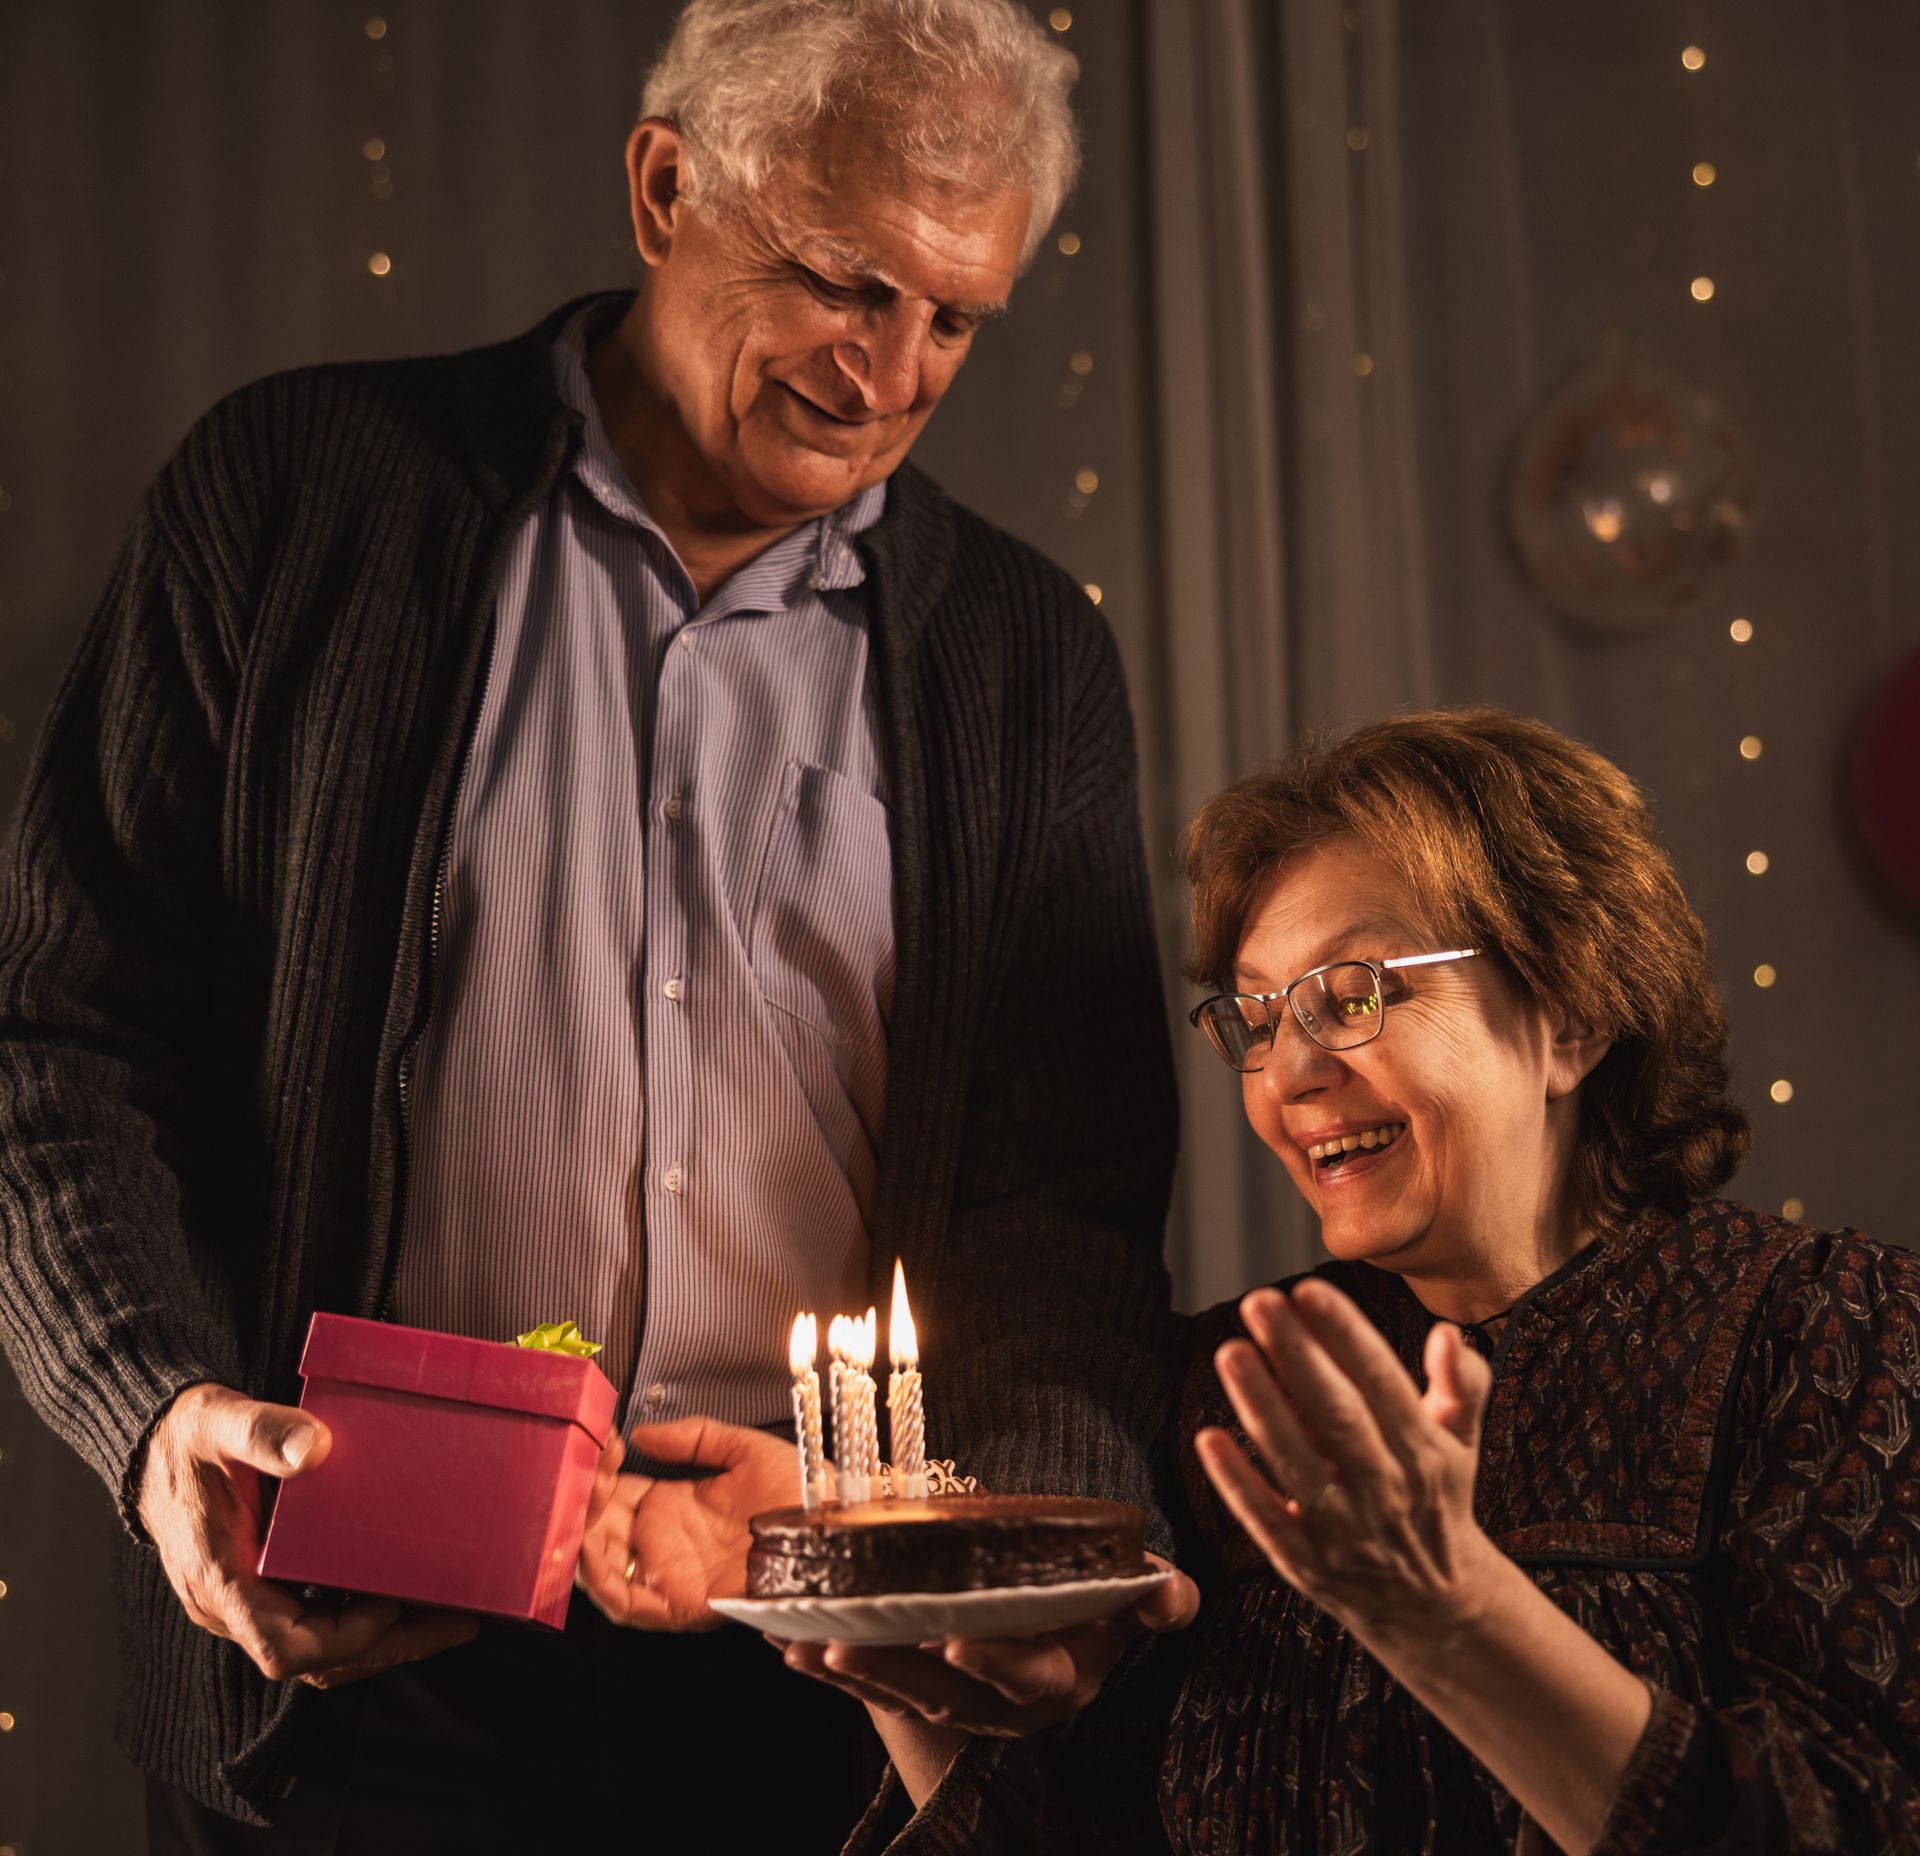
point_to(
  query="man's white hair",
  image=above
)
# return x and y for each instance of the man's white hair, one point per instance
(969, 93)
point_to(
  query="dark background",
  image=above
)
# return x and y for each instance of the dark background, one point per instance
(1467, 196)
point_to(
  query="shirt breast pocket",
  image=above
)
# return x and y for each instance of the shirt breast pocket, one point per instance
(821, 942)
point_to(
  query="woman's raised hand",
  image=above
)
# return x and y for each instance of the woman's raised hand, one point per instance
(1366, 1503)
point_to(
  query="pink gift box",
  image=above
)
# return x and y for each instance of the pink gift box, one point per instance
(459, 1472)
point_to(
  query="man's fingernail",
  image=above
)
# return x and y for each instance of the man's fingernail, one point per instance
(295, 1445)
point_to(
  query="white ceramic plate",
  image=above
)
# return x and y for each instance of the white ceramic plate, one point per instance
(918, 1617)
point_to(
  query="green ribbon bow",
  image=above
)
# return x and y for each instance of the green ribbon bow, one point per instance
(559, 1337)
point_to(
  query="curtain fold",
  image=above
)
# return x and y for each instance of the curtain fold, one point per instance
(1226, 701)
(1293, 559)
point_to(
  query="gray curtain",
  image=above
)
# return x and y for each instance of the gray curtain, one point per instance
(1385, 234)
(1220, 696)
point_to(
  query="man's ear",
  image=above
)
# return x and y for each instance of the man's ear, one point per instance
(1576, 1051)
(656, 155)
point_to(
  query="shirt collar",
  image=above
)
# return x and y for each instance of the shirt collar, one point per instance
(822, 555)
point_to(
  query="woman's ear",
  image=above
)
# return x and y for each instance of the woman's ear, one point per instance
(1576, 1050)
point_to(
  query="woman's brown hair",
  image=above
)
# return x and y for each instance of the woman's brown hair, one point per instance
(1517, 840)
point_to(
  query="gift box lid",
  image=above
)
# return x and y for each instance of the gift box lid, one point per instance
(452, 1366)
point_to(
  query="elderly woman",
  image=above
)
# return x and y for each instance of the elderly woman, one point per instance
(1567, 1500)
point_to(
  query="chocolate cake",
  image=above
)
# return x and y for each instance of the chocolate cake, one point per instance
(949, 1543)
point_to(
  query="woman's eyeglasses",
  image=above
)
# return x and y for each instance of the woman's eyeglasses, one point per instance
(1339, 1006)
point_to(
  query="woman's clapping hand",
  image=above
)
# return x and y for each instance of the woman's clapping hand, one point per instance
(1366, 1503)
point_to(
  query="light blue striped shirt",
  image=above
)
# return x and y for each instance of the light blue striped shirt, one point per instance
(651, 1092)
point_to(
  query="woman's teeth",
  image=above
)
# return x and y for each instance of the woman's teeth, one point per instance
(1333, 1152)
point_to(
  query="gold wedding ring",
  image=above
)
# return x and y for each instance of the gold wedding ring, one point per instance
(633, 1566)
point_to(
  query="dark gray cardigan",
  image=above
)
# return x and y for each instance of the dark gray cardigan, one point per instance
(214, 957)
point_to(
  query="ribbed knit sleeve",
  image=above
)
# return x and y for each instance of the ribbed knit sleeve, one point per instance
(1056, 1381)
(105, 945)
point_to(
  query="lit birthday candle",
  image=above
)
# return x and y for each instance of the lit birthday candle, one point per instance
(802, 1346)
(863, 1427)
(871, 1351)
(837, 1337)
(906, 1412)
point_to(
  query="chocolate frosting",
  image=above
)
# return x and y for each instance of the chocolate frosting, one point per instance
(949, 1543)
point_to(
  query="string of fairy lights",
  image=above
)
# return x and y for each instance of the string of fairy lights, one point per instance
(380, 69)
(1073, 383)
(1704, 175)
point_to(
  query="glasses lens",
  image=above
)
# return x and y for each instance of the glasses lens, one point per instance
(1238, 1027)
(1340, 1007)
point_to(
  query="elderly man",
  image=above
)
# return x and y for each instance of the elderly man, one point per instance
(582, 828)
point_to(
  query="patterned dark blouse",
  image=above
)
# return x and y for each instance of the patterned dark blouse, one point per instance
(1702, 1444)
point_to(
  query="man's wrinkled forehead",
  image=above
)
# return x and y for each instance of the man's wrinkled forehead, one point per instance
(844, 255)
(845, 259)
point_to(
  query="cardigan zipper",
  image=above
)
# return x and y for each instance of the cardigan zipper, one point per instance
(392, 1272)
(558, 449)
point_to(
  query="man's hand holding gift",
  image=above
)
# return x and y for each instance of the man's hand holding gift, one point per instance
(201, 1505)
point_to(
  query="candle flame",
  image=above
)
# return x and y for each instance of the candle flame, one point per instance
(862, 1340)
(802, 1344)
(839, 1342)
(903, 1344)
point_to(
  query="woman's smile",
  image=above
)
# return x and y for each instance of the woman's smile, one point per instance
(1344, 1156)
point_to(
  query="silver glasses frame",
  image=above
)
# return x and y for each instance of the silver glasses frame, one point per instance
(1266, 1001)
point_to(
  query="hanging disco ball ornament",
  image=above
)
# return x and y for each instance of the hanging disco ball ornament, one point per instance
(1630, 493)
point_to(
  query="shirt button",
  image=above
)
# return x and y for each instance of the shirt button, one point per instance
(686, 639)
(674, 1180)
(676, 808)
(656, 1397)
(673, 989)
